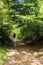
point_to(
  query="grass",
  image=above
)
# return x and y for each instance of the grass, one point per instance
(3, 52)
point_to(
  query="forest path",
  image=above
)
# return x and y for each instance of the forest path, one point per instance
(25, 55)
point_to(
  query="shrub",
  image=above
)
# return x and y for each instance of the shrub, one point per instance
(5, 30)
(31, 31)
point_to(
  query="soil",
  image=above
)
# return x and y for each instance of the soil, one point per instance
(25, 55)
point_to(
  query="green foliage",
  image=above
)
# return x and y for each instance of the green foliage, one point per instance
(30, 29)
(5, 30)
(5, 22)
(25, 16)
(3, 52)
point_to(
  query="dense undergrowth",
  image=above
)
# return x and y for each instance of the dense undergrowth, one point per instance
(24, 18)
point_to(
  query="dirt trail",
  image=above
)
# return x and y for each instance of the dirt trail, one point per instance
(24, 55)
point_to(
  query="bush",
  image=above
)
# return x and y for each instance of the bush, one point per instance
(30, 28)
(31, 31)
(5, 30)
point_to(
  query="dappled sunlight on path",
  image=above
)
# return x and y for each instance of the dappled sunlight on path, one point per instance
(24, 55)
